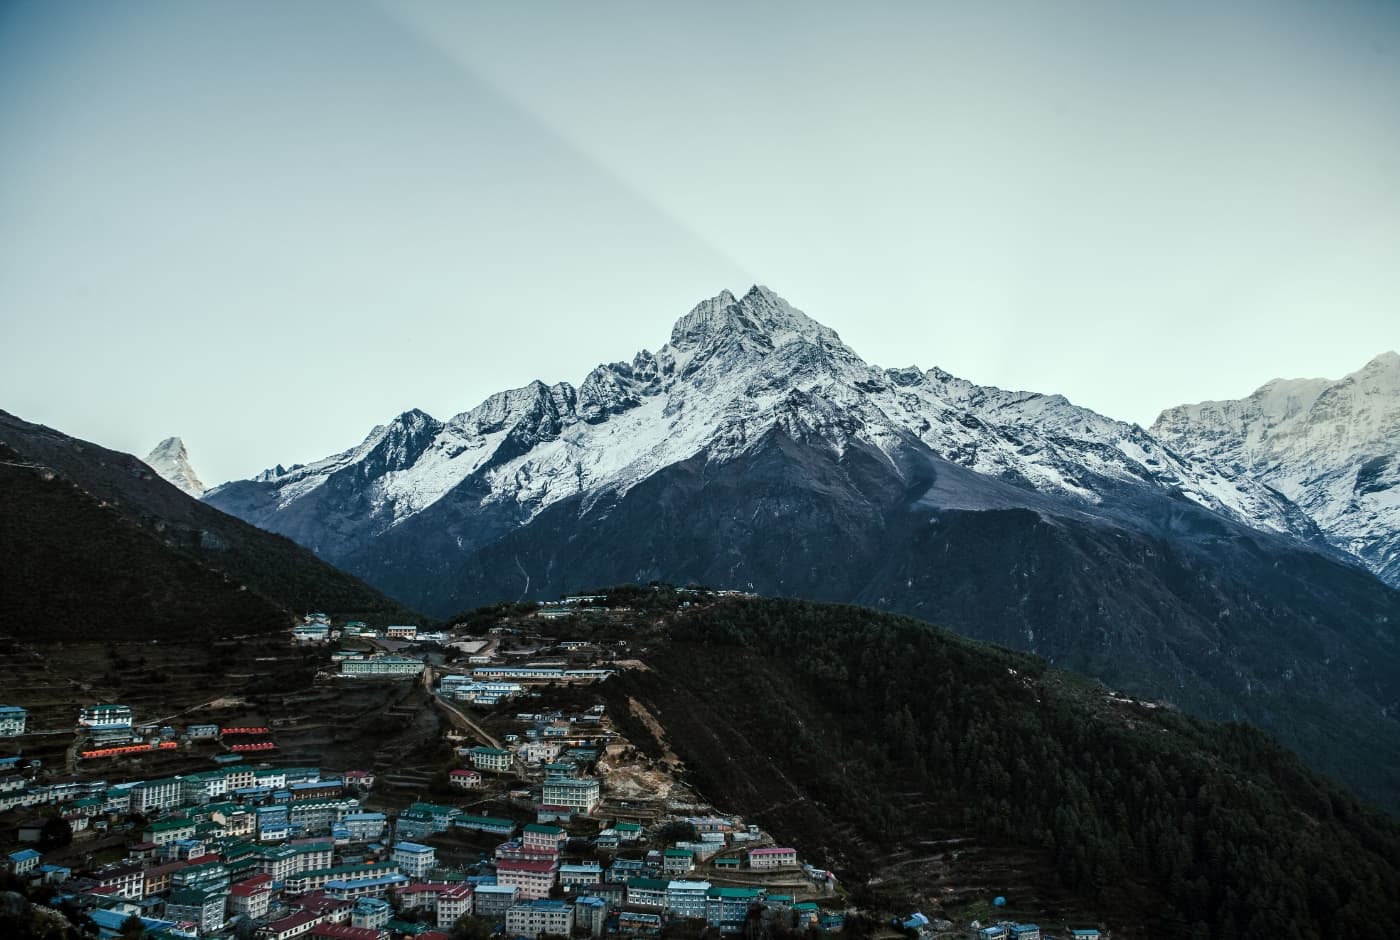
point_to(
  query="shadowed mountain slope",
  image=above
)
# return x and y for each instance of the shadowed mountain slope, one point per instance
(95, 543)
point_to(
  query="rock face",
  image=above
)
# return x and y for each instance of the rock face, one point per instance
(756, 450)
(172, 462)
(1331, 447)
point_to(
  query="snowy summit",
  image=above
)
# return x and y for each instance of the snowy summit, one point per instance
(735, 370)
(172, 461)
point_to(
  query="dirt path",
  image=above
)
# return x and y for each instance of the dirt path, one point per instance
(461, 720)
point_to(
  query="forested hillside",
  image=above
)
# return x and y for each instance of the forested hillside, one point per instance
(824, 720)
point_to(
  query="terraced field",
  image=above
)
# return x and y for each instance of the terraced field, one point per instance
(253, 681)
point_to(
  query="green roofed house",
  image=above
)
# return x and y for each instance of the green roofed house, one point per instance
(203, 906)
(406, 928)
(547, 838)
(686, 898)
(317, 879)
(639, 924)
(808, 914)
(560, 770)
(490, 758)
(168, 830)
(87, 806)
(487, 824)
(424, 819)
(728, 908)
(677, 862)
(647, 892)
(580, 795)
(728, 862)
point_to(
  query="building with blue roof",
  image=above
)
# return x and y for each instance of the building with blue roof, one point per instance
(591, 913)
(109, 923)
(371, 914)
(23, 862)
(364, 827)
(55, 874)
(414, 859)
(493, 900)
(352, 889)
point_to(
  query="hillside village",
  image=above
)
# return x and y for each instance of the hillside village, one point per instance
(546, 821)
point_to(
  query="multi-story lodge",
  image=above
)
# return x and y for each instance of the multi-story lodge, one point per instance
(539, 917)
(581, 796)
(534, 877)
(12, 720)
(490, 758)
(777, 857)
(105, 716)
(381, 665)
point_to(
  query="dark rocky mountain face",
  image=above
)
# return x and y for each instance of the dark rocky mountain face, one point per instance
(755, 450)
(97, 545)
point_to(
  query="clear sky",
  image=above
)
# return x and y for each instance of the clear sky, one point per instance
(268, 226)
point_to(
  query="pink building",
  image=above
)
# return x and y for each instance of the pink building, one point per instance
(534, 878)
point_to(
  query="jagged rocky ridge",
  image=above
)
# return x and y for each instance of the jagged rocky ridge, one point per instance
(171, 460)
(734, 370)
(1332, 447)
(756, 450)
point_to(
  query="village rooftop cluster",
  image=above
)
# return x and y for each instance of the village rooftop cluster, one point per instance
(540, 831)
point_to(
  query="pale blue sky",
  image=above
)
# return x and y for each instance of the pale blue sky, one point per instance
(267, 226)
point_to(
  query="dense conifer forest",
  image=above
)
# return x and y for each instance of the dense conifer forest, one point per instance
(1205, 829)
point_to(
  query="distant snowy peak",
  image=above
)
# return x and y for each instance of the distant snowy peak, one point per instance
(172, 462)
(1296, 419)
(1289, 418)
(1332, 447)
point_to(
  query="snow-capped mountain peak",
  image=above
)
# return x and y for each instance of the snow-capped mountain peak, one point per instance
(735, 371)
(171, 460)
(760, 315)
(1332, 447)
